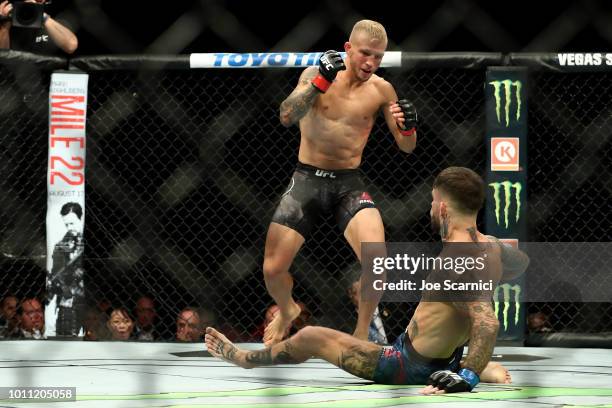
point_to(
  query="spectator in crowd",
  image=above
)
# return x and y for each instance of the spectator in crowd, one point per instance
(189, 325)
(95, 324)
(207, 317)
(539, 323)
(105, 306)
(145, 319)
(376, 330)
(53, 37)
(120, 324)
(31, 318)
(8, 315)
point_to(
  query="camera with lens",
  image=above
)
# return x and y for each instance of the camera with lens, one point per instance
(27, 14)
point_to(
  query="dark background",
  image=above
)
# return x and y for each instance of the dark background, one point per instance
(183, 26)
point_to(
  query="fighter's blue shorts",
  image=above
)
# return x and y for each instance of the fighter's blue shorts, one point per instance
(401, 364)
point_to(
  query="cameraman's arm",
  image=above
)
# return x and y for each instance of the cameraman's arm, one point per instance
(5, 24)
(5, 41)
(61, 36)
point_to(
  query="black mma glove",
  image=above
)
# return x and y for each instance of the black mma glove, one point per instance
(464, 380)
(329, 64)
(410, 118)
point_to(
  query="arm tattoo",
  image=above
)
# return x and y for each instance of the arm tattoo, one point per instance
(260, 357)
(301, 99)
(413, 329)
(483, 335)
(359, 362)
(287, 355)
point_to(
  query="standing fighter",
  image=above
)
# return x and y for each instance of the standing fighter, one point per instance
(336, 106)
(431, 349)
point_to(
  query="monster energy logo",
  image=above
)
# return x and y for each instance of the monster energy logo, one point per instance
(507, 187)
(505, 289)
(506, 85)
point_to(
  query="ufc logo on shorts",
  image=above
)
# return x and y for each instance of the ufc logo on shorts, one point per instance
(323, 173)
(504, 154)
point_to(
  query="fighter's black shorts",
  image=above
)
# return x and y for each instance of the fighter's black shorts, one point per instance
(314, 192)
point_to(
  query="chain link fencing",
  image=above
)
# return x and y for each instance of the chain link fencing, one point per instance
(570, 175)
(24, 96)
(185, 167)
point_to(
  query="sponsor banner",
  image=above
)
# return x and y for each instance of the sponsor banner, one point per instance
(563, 61)
(508, 97)
(506, 141)
(506, 180)
(508, 201)
(273, 59)
(505, 153)
(584, 59)
(507, 298)
(66, 204)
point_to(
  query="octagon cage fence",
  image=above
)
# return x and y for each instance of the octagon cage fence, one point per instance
(185, 167)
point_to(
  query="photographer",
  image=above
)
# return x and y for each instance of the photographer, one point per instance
(51, 38)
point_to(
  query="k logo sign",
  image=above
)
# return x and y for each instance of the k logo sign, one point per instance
(504, 154)
(507, 95)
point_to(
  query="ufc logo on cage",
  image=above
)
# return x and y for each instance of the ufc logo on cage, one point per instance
(505, 154)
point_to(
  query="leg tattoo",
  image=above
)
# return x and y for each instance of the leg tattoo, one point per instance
(287, 355)
(227, 351)
(230, 353)
(260, 357)
(358, 362)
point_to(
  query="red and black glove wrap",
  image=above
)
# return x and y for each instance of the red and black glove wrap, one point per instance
(329, 64)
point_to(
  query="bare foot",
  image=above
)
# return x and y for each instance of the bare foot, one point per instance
(495, 373)
(278, 328)
(219, 346)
